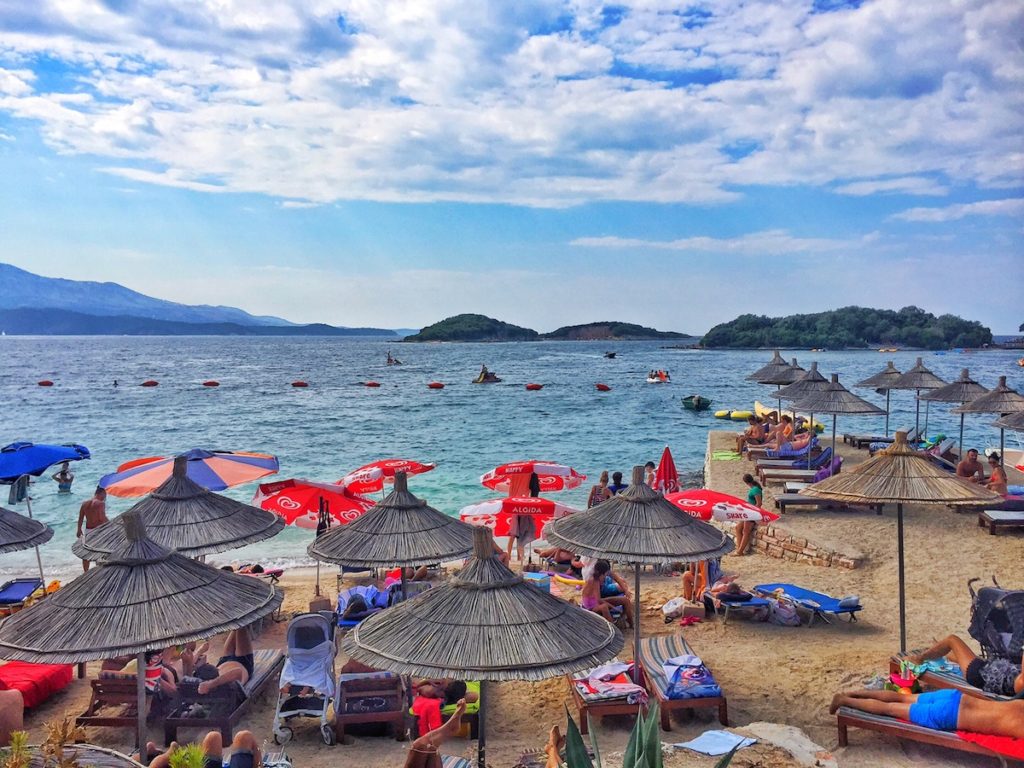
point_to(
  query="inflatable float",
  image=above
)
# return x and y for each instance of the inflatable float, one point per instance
(45, 383)
(561, 578)
(371, 384)
(299, 384)
(602, 388)
(211, 383)
(534, 387)
(150, 383)
(435, 385)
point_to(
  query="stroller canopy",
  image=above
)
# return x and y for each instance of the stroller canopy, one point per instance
(311, 652)
(997, 621)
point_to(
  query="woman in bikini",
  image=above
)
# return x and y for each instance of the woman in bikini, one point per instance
(236, 663)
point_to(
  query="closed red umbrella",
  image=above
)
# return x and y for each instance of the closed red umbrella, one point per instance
(497, 514)
(705, 504)
(552, 476)
(666, 478)
(372, 477)
(298, 501)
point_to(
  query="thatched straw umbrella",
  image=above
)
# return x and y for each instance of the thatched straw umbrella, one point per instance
(773, 367)
(183, 515)
(836, 399)
(18, 532)
(638, 525)
(809, 383)
(900, 475)
(485, 624)
(1013, 422)
(142, 598)
(918, 378)
(1002, 400)
(783, 377)
(882, 382)
(963, 390)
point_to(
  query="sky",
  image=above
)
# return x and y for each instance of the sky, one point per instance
(547, 163)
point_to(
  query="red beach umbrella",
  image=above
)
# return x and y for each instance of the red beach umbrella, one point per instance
(372, 477)
(706, 505)
(298, 501)
(666, 478)
(497, 514)
(552, 476)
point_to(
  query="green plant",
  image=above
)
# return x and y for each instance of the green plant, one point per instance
(188, 756)
(17, 754)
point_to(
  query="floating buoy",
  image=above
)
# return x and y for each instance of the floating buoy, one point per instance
(150, 383)
(299, 384)
(740, 415)
(211, 383)
(371, 383)
(534, 387)
(725, 413)
(436, 385)
(602, 388)
(45, 383)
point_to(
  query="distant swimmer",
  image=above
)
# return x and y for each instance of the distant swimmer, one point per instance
(115, 382)
(92, 514)
(64, 477)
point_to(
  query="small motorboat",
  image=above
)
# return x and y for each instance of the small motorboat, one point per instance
(696, 403)
(486, 377)
(610, 355)
(658, 377)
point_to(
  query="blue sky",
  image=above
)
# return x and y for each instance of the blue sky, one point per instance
(673, 164)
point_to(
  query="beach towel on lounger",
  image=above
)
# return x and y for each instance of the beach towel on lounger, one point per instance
(609, 682)
(697, 683)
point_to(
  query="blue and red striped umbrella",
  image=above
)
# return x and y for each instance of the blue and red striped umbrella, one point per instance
(213, 470)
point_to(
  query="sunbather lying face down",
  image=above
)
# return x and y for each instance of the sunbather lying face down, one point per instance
(943, 710)
(235, 665)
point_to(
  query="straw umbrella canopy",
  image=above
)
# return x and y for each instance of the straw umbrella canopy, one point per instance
(142, 598)
(636, 526)
(808, 384)
(1013, 422)
(773, 367)
(783, 377)
(900, 475)
(399, 530)
(484, 624)
(183, 515)
(882, 382)
(18, 532)
(1002, 400)
(963, 390)
(837, 400)
(918, 378)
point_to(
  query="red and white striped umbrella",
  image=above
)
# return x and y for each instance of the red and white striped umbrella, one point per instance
(552, 476)
(706, 505)
(497, 514)
(372, 477)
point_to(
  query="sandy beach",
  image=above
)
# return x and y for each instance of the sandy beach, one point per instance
(769, 673)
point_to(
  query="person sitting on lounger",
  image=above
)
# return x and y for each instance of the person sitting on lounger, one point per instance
(970, 468)
(754, 434)
(245, 752)
(590, 598)
(423, 752)
(944, 710)
(999, 676)
(236, 664)
(780, 433)
(997, 481)
(614, 590)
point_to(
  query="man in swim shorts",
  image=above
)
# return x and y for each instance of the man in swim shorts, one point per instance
(942, 710)
(236, 663)
(92, 514)
(998, 676)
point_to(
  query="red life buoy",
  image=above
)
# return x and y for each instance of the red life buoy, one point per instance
(211, 383)
(150, 383)
(534, 387)
(371, 383)
(45, 383)
(603, 388)
(299, 384)
(435, 385)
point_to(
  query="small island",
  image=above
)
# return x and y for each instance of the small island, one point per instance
(470, 327)
(611, 330)
(850, 328)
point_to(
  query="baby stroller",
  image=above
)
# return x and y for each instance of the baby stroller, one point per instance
(307, 680)
(997, 620)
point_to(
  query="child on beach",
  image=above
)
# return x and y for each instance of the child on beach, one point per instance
(591, 595)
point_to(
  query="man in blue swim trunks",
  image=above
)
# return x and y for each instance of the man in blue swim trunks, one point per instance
(942, 710)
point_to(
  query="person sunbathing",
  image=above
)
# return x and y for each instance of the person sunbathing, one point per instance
(236, 664)
(943, 710)
(754, 434)
(781, 433)
(423, 752)
(245, 752)
(999, 676)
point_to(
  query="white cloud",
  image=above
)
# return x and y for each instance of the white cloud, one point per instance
(533, 103)
(1007, 207)
(296, 204)
(767, 243)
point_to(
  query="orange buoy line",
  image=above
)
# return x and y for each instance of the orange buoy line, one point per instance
(150, 383)
(435, 385)
(371, 383)
(211, 383)
(534, 387)
(299, 384)
(45, 383)
(602, 387)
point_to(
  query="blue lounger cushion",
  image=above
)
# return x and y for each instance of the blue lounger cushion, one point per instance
(18, 591)
(809, 599)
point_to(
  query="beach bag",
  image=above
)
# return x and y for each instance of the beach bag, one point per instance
(673, 609)
(783, 612)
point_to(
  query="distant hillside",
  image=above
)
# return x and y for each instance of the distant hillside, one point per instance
(19, 288)
(850, 327)
(473, 328)
(612, 331)
(55, 322)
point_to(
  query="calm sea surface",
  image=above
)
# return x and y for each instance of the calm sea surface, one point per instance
(337, 425)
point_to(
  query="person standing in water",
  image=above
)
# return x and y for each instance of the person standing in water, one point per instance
(92, 514)
(64, 477)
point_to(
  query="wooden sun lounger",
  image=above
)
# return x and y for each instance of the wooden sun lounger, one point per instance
(356, 687)
(653, 652)
(847, 718)
(932, 679)
(114, 700)
(587, 708)
(784, 500)
(994, 519)
(775, 475)
(225, 710)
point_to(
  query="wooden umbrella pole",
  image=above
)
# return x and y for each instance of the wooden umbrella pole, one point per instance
(140, 689)
(636, 623)
(903, 598)
(481, 743)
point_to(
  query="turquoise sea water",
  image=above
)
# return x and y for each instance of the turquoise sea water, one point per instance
(336, 424)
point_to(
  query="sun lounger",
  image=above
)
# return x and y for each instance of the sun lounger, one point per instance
(113, 702)
(862, 441)
(17, 593)
(370, 697)
(225, 705)
(795, 487)
(817, 603)
(784, 500)
(934, 678)
(37, 682)
(994, 519)
(847, 718)
(452, 761)
(654, 652)
(724, 606)
(591, 703)
(783, 475)
(815, 462)
(787, 451)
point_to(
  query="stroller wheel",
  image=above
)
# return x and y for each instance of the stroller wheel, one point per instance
(282, 735)
(327, 731)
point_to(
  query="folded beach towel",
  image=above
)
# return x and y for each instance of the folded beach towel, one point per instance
(608, 683)
(1004, 745)
(686, 660)
(725, 456)
(715, 743)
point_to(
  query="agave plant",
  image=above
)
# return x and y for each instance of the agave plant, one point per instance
(643, 750)
(188, 756)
